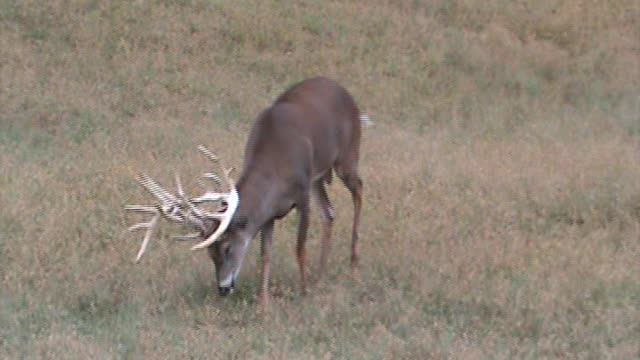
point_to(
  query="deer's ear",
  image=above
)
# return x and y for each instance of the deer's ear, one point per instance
(240, 222)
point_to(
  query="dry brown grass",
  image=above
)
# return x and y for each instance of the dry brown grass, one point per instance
(502, 212)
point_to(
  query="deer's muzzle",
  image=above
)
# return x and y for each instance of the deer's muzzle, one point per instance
(226, 290)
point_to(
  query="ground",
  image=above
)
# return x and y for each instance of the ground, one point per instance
(502, 202)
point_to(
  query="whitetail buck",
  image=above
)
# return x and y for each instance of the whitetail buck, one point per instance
(295, 144)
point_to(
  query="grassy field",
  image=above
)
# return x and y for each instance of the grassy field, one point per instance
(502, 177)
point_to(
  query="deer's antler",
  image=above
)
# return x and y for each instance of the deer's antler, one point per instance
(231, 198)
(179, 208)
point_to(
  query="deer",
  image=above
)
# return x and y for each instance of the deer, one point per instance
(294, 147)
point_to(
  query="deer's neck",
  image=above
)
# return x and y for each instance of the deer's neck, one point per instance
(262, 198)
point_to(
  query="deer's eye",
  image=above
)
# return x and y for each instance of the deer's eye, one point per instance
(227, 250)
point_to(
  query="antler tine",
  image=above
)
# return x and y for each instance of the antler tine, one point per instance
(166, 198)
(227, 175)
(188, 237)
(156, 190)
(209, 196)
(179, 186)
(138, 226)
(208, 153)
(141, 208)
(150, 226)
(213, 177)
(214, 158)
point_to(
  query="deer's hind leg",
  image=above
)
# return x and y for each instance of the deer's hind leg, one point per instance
(327, 214)
(351, 179)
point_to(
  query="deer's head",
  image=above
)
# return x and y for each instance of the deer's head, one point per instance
(217, 231)
(227, 254)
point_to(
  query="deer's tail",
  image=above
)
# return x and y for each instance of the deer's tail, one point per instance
(365, 120)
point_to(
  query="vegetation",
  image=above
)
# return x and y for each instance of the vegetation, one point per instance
(502, 201)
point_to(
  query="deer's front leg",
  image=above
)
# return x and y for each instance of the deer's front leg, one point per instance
(266, 236)
(303, 211)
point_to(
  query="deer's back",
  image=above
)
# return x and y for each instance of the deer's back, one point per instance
(307, 129)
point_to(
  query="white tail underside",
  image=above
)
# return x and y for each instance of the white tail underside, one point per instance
(365, 120)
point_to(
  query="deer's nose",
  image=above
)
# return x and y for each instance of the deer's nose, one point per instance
(226, 290)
